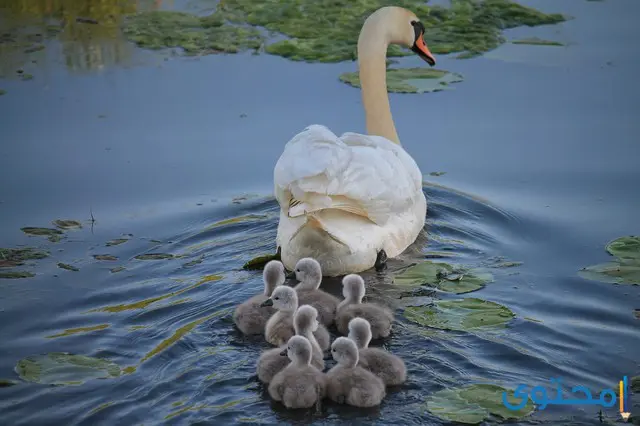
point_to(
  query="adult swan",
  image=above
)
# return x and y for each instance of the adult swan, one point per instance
(352, 201)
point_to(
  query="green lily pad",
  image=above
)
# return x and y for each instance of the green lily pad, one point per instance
(443, 277)
(411, 80)
(59, 368)
(473, 404)
(625, 248)
(12, 275)
(10, 257)
(117, 269)
(46, 232)
(537, 42)
(436, 174)
(67, 224)
(154, 256)
(106, 257)
(116, 242)
(260, 261)
(613, 272)
(468, 314)
(67, 267)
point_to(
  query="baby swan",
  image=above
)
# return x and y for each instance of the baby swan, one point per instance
(389, 367)
(379, 317)
(309, 273)
(279, 328)
(250, 317)
(298, 385)
(347, 382)
(305, 322)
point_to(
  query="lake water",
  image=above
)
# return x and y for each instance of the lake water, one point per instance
(542, 167)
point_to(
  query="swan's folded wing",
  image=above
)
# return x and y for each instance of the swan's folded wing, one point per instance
(365, 175)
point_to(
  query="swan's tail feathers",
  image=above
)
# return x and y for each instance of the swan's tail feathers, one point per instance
(298, 208)
(315, 223)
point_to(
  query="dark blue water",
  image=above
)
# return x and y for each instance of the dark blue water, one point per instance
(543, 167)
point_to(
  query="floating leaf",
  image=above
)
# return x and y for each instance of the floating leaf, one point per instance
(461, 315)
(260, 261)
(436, 174)
(10, 257)
(506, 264)
(4, 383)
(107, 257)
(245, 218)
(625, 248)
(537, 42)
(3, 92)
(58, 368)
(116, 242)
(29, 230)
(475, 403)
(411, 80)
(613, 272)
(443, 276)
(67, 224)
(154, 256)
(117, 269)
(67, 267)
(16, 274)
(193, 262)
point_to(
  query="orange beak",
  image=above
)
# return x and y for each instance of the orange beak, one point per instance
(420, 47)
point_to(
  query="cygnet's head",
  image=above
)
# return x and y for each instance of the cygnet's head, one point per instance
(398, 26)
(345, 352)
(353, 288)
(298, 350)
(309, 273)
(283, 298)
(273, 275)
(360, 332)
(305, 320)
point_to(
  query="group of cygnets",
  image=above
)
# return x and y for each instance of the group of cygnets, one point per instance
(296, 319)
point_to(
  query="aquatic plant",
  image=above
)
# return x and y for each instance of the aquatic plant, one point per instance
(625, 269)
(411, 80)
(537, 42)
(10, 257)
(474, 404)
(443, 276)
(59, 368)
(460, 315)
(327, 30)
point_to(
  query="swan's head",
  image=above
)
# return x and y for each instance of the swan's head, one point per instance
(353, 288)
(298, 350)
(360, 332)
(309, 273)
(273, 275)
(403, 27)
(283, 298)
(345, 352)
(305, 319)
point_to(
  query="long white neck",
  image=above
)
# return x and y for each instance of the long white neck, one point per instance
(372, 57)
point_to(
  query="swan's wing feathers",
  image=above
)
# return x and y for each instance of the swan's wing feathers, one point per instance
(365, 175)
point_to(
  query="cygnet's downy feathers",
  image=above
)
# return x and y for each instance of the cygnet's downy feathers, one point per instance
(349, 384)
(309, 274)
(298, 385)
(305, 323)
(250, 317)
(387, 366)
(279, 328)
(379, 317)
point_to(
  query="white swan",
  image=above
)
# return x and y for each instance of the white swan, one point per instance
(352, 201)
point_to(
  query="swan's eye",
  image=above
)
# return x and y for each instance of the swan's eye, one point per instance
(333, 350)
(297, 270)
(276, 298)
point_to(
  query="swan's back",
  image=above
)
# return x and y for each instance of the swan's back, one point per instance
(380, 318)
(250, 317)
(324, 303)
(366, 175)
(358, 387)
(271, 362)
(298, 386)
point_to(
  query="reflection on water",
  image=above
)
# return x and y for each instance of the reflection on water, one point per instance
(85, 34)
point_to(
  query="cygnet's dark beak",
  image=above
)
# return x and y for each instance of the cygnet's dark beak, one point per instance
(283, 353)
(267, 302)
(327, 357)
(291, 275)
